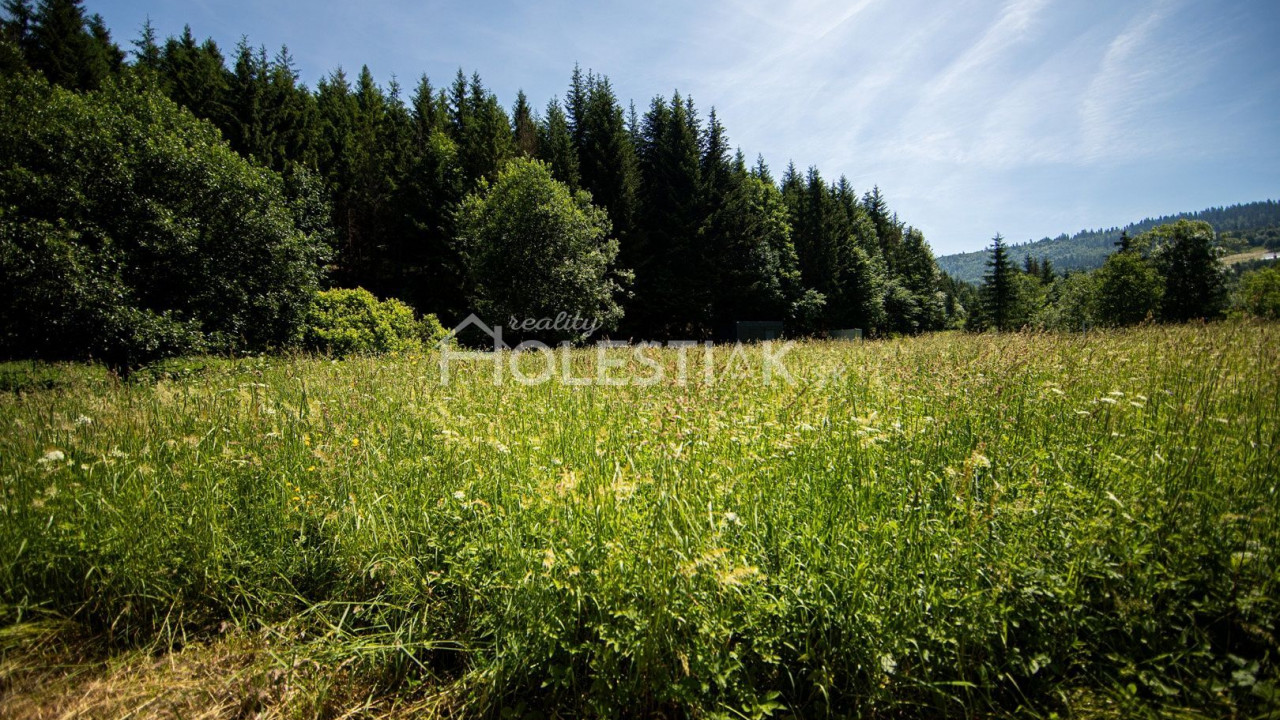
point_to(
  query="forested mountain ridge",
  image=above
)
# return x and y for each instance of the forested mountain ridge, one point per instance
(1088, 249)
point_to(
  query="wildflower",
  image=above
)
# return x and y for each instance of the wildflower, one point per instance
(355, 442)
(888, 664)
(459, 495)
(306, 440)
(52, 456)
(731, 518)
(84, 420)
(548, 558)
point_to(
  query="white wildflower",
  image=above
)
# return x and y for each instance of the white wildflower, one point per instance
(53, 456)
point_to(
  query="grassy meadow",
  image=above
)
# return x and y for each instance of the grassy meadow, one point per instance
(952, 525)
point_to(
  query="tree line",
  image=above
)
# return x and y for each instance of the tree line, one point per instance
(685, 236)
(1171, 273)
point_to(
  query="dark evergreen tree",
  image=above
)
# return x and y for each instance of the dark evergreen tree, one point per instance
(194, 76)
(146, 49)
(556, 148)
(104, 47)
(67, 47)
(998, 286)
(888, 231)
(606, 158)
(1046, 271)
(427, 270)
(484, 138)
(524, 127)
(15, 35)
(670, 264)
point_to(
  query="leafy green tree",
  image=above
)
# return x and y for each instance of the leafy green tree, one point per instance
(129, 230)
(1129, 289)
(999, 293)
(533, 249)
(1259, 292)
(1194, 276)
(1074, 304)
(1029, 299)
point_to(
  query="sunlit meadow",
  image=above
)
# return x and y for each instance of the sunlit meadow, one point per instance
(950, 525)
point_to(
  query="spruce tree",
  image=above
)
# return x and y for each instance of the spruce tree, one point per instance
(524, 127)
(15, 35)
(146, 49)
(426, 118)
(606, 157)
(66, 49)
(997, 287)
(672, 298)
(486, 141)
(555, 146)
(195, 77)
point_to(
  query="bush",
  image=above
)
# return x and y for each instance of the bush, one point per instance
(345, 322)
(130, 231)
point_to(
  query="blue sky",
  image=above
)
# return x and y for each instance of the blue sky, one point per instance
(1025, 117)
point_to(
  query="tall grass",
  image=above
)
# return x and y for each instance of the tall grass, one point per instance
(950, 525)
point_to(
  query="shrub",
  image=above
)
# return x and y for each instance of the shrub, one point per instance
(345, 322)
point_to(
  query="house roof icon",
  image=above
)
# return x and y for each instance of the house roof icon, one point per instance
(471, 320)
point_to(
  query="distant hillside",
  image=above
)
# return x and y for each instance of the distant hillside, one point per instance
(1088, 249)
